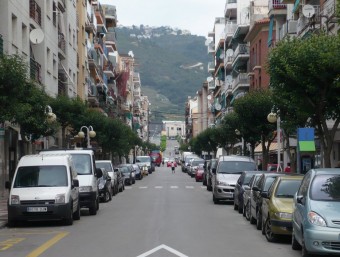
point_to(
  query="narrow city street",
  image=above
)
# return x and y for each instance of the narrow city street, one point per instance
(162, 215)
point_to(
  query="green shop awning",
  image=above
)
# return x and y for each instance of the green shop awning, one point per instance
(307, 146)
(296, 5)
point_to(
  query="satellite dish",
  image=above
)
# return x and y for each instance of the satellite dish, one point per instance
(218, 106)
(209, 97)
(222, 55)
(209, 79)
(230, 52)
(308, 10)
(36, 36)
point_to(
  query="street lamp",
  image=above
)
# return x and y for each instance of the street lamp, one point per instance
(238, 133)
(272, 118)
(90, 133)
(51, 117)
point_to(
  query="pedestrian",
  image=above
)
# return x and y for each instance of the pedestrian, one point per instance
(173, 167)
(287, 169)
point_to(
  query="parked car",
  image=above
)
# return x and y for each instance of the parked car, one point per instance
(143, 160)
(44, 188)
(239, 188)
(212, 164)
(277, 206)
(262, 185)
(138, 172)
(194, 163)
(316, 222)
(247, 195)
(107, 164)
(120, 178)
(104, 186)
(199, 173)
(225, 176)
(127, 171)
(186, 163)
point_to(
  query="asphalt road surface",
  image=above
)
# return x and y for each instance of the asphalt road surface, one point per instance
(163, 215)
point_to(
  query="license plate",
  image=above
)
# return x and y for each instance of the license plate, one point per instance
(36, 209)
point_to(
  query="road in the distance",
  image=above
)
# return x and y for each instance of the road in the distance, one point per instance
(164, 210)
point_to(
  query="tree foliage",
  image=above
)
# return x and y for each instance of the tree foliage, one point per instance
(305, 73)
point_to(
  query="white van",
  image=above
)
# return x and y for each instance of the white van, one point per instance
(44, 187)
(84, 162)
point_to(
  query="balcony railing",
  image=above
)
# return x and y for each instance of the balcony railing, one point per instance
(230, 29)
(276, 4)
(110, 36)
(35, 12)
(329, 8)
(305, 24)
(35, 70)
(241, 49)
(61, 42)
(242, 80)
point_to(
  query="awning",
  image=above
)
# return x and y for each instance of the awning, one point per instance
(306, 146)
(270, 32)
(273, 147)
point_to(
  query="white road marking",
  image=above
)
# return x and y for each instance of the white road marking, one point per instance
(203, 187)
(174, 187)
(169, 249)
(189, 187)
(158, 187)
(143, 187)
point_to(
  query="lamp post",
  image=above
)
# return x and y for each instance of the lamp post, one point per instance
(238, 133)
(272, 118)
(90, 133)
(51, 117)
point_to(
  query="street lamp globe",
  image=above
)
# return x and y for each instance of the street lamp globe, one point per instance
(272, 117)
(92, 133)
(81, 134)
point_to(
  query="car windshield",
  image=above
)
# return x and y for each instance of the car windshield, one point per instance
(326, 188)
(105, 165)
(196, 163)
(41, 176)
(235, 167)
(287, 188)
(142, 159)
(82, 163)
(124, 169)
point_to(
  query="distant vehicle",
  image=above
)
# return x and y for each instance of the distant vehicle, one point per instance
(145, 160)
(128, 173)
(107, 164)
(199, 173)
(176, 150)
(156, 157)
(138, 171)
(104, 186)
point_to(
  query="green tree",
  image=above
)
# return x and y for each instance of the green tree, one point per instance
(305, 72)
(252, 111)
(228, 137)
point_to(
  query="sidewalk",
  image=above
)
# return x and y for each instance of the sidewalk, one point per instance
(3, 209)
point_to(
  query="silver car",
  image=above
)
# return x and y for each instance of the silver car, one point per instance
(316, 214)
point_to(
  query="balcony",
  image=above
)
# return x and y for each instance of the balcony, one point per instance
(241, 82)
(211, 85)
(61, 5)
(35, 12)
(277, 8)
(229, 30)
(305, 25)
(93, 94)
(211, 47)
(228, 62)
(35, 71)
(99, 12)
(241, 55)
(110, 40)
(229, 90)
(61, 46)
(328, 9)
(93, 58)
(110, 15)
(230, 9)
(288, 28)
(211, 67)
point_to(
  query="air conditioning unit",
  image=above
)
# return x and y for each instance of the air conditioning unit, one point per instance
(291, 27)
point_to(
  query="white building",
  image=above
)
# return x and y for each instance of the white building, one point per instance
(174, 128)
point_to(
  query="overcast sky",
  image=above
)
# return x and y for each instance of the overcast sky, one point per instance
(197, 16)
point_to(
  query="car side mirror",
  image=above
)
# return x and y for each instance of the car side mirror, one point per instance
(213, 170)
(246, 187)
(265, 195)
(300, 199)
(8, 185)
(99, 173)
(75, 183)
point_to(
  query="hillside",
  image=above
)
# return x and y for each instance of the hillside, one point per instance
(172, 64)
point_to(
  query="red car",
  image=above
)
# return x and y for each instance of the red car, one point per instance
(199, 173)
(168, 164)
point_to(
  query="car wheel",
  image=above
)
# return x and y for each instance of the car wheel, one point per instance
(240, 208)
(247, 211)
(69, 219)
(76, 215)
(252, 220)
(93, 208)
(215, 200)
(268, 231)
(235, 205)
(262, 226)
(258, 220)
(295, 243)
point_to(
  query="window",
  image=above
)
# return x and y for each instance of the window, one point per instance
(24, 38)
(54, 13)
(48, 59)
(14, 29)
